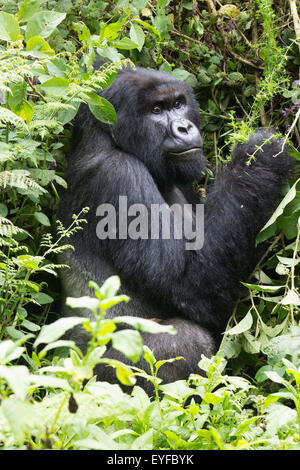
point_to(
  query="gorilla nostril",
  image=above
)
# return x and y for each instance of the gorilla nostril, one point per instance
(183, 130)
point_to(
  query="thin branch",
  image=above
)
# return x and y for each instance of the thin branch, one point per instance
(219, 23)
(296, 20)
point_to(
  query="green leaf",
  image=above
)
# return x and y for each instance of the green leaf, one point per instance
(124, 43)
(148, 26)
(243, 325)
(83, 302)
(48, 381)
(145, 325)
(20, 416)
(28, 8)
(9, 351)
(18, 94)
(270, 227)
(109, 288)
(56, 86)
(144, 442)
(9, 27)
(290, 298)
(43, 23)
(42, 219)
(57, 329)
(129, 342)
(42, 298)
(212, 399)
(262, 288)
(137, 35)
(38, 47)
(26, 111)
(100, 107)
(17, 378)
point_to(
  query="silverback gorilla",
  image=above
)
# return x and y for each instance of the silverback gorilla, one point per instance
(152, 156)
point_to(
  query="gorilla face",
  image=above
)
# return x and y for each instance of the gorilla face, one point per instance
(158, 121)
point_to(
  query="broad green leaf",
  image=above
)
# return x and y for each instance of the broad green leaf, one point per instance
(143, 442)
(20, 416)
(147, 26)
(48, 381)
(38, 47)
(108, 303)
(57, 329)
(291, 298)
(112, 30)
(265, 232)
(103, 442)
(28, 8)
(17, 96)
(124, 43)
(108, 289)
(42, 298)
(42, 219)
(9, 27)
(26, 111)
(212, 399)
(9, 351)
(17, 378)
(29, 325)
(137, 35)
(83, 302)
(145, 325)
(56, 86)
(243, 325)
(101, 108)
(43, 23)
(129, 342)
(125, 375)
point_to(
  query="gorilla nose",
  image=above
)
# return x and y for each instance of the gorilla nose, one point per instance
(186, 132)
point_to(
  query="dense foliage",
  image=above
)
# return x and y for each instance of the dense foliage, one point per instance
(242, 59)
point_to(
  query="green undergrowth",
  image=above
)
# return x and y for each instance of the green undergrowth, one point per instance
(242, 60)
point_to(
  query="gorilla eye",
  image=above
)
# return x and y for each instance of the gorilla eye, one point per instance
(177, 104)
(157, 109)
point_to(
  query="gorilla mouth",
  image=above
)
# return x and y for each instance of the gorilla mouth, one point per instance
(194, 152)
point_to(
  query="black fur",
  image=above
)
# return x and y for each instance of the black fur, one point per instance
(193, 290)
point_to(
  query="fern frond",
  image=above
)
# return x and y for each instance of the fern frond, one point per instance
(8, 117)
(18, 180)
(7, 228)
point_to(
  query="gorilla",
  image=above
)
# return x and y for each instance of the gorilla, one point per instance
(152, 158)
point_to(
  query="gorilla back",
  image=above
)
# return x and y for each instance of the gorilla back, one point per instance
(151, 157)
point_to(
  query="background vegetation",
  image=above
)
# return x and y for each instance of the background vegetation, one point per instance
(242, 59)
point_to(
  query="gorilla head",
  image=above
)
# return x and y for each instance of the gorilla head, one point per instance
(158, 122)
